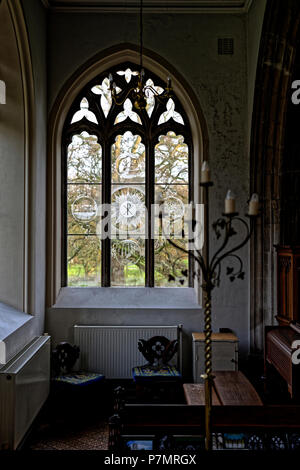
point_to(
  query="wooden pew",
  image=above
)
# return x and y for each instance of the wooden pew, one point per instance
(160, 420)
(193, 416)
(236, 409)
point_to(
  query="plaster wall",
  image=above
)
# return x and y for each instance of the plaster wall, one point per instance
(12, 161)
(22, 173)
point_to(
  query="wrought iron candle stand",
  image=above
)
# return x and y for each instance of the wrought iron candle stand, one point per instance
(211, 272)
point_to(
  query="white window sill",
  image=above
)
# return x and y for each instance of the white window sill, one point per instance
(124, 298)
(14, 330)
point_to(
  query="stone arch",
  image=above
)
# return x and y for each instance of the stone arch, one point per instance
(273, 79)
(17, 118)
(95, 65)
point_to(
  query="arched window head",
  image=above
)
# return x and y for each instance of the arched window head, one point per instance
(121, 164)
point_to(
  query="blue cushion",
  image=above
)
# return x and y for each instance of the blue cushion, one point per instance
(79, 378)
(144, 373)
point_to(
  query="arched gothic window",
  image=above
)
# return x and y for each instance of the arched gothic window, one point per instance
(117, 158)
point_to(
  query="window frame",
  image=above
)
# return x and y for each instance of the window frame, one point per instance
(106, 131)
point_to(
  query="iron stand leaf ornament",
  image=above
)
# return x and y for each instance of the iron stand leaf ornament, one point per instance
(225, 229)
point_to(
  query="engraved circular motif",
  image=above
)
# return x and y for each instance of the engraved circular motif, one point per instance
(174, 208)
(128, 208)
(84, 209)
(124, 250)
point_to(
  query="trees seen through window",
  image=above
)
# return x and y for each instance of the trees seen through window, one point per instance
(125, 159)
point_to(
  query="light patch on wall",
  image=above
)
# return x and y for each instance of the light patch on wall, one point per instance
(2, 352)
(2, 92)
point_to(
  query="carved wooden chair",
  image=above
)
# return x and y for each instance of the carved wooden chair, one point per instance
(70, 387)
(64, 357)
(157, 377)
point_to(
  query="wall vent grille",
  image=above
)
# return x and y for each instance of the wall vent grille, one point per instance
(225, 46)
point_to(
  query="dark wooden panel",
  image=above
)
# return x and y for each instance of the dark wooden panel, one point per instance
(288, 268)
(141, 415)
(280, 360)
(278, 352)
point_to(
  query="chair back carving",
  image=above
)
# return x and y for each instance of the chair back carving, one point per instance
(158, 350)
(64, 357)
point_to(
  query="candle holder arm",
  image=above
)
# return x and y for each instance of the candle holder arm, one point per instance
(233, 274)
(199, 258)
(219, 259)
(122, 99)
(229, 232)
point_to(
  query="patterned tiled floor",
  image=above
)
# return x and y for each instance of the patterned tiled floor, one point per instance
(59, 436)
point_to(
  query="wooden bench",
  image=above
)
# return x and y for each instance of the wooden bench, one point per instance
(167, 420)
(230, 389)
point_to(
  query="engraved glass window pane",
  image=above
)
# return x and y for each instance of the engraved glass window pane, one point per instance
(128, 209)
(130, 181)
(84, 261)
(83, 208)
(84, 159)
(104, 91)
(127, 74)
(128, 262)
(128, 159)
(170, 264)
(150, 96)
(174, 207)
(174, 197)
(128, 113)
(84, 112)
(171, 159)
(170, 113)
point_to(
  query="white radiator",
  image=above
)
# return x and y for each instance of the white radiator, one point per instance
(113, 350)
(24, 387)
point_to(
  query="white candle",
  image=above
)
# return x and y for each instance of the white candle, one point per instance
(229, 202)
(254, 205)
(205, 173)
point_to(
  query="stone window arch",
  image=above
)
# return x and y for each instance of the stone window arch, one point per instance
(65, 104)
